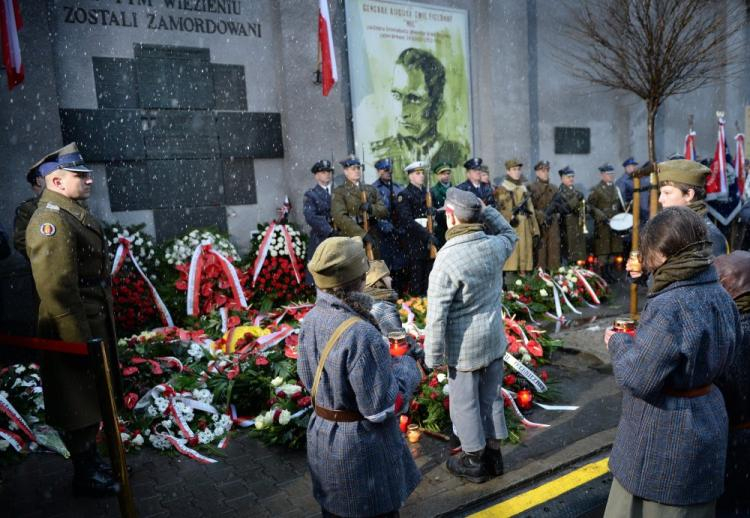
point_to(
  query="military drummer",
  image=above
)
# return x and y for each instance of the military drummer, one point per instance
(69, 261)
(604, 202)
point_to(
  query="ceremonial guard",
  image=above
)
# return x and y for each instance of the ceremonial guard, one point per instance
(442, 171)
(626, 187)
(317, 208)
(416, 239)
(604, 202)
(70, 264)
(389, 244)
(351, 209)
(570, 202)
(474, 184)
(514, 203)
(25, 210)
(547, 253)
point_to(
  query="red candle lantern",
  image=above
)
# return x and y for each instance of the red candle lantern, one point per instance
(524, 397)
(591, 259)
(581, 262)
(398, 344)
(403, 423)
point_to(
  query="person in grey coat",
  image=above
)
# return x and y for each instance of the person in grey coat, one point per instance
(384, 309)
(359, 461)
(671, 442)
(464, 329)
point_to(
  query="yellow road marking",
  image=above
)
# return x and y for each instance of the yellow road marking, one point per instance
(545, 492)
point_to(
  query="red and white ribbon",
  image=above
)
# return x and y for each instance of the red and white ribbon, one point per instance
(290, 251)
(290, 308)
(172, 362)
(524, 371)
(524, 421)
(7, 409)
(582, 274)
(690, 145)
(739, 163)
(196, 272)
(188, 452)
(557, 292)
(13, 439)
(224, 313)
(125, 250)
(242, 422)
(265, 247)
(716, 183)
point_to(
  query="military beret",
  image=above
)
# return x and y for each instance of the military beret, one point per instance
(322, 165)
(350, 161)
(473, 163)
(684, 171)
(464, 204)
(629, 161)
(377, 271)
(512, 163)
(566, 171)
(384, 163)
(542, 164)
(415, 166)
(734, 272)
(442, 166)
(606, 168)
(68, 157)
(338, 260)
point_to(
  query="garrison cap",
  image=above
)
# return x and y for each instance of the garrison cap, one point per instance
(473, 163)
(629, 161)
(338, 260)
(350, 161)
(542, 164)
(606, 168)
(513, 162)
(377, 271)
(442, 166)
(465, 205)
(322, 165)
(67, 157)
(415, 166)
(684, 171)
(384, 163)
(566, 171)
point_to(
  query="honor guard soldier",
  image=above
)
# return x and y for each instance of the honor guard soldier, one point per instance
(26, 209)
(355, 204)
(626, 187)
(547, 253)
(604, 202)
(416, 240)
(70, 264)
(570, 202)
(442, 172)
(389, 244)
(514, 203)
(317, 208)
(474, 184)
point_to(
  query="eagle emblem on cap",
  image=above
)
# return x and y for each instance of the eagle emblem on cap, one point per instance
(47, 229)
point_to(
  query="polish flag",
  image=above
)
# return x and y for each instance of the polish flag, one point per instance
(10, 23)
(328, 70)
(716, 185)
(739, 163)
(690, 146)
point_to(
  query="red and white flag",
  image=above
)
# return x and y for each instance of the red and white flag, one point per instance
(690, 146)
(10, 23)
(328, 69)
(716, 185)
(739, 162)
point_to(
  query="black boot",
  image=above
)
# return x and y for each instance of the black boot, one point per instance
(493, 461)
(454, 444)
(91, 479)
(468, 466)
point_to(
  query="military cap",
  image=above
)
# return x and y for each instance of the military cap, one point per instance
(464, 204)
(542, 164)
(415, 166)
(377, 271)
(67, 157)
(512, 163)
(566, 171)
(338, 260)
(384, 163)
(440, 167)
(322, 165)
(350, 161)
(684, 171)
(606, 168)
(629, 161)
(484, 168)
(473, 163)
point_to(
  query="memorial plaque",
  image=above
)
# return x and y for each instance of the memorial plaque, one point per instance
(181, 134)
(129, 186)
(229, 87)
(104, 135)
(572, 141)
(239, 182)
(115, 83)
(186, 183)
(256, 135)
(171, 223)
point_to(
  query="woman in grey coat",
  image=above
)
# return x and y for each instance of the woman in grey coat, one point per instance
(359, 461)
(669, 453)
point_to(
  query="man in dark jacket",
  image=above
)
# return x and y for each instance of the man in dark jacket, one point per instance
(25, 210)
(442, 172)
(474, 184)
(389, 244)
(317, 208)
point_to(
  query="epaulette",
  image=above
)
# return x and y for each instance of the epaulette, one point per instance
(52, 206)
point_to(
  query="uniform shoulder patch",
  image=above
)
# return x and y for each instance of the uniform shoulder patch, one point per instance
(47, 229)
(52, 206)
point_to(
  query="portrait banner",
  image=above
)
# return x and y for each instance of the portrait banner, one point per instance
(411, 95)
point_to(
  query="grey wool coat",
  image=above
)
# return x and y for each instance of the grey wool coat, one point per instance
(361, 468)
(669, 449)
(464, 321)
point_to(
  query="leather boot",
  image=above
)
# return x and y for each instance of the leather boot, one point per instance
(90, 479)
(454, 444)
(468, 466)
(493, 461)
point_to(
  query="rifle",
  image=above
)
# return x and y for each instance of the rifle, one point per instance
(521, 207)
(366, 225)
(428, 204)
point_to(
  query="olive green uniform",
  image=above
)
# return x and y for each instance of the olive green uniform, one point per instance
(605, 203)
(69, 261)
(547, 253)
(574, 241)
(509, 196)
(347, 218)
(21, 221)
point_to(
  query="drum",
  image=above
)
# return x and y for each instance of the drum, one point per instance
(621, 223)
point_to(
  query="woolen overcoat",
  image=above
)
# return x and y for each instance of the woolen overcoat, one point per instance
(347, 218)
(508, 196)
(547, 254)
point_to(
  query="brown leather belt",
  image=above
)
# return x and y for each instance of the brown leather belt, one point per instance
(339, 416)
(690, 393)
(741, 426)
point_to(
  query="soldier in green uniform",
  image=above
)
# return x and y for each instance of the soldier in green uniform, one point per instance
(347, 207)
(604, 202)
(569, 201)
(25, 210)
(70, 265)
(547, 253)
(442, 171)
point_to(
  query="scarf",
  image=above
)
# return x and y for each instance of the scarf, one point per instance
(691, 260)
(699, 207)
(462, 229)
(514, 182)
(743, 303)
(385, 294)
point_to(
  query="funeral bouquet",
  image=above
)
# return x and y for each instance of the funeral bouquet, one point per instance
(141, 244)
(582, 286)
(21, 408)
(180, 250)
(276, 237)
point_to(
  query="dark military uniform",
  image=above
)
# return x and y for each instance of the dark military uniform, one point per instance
(438, 192)
(415, 239)
(605, 203)
(70, 264)
(483, 192)
(547, 253)
(347, 217)
(23, 214)
(574, 241)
